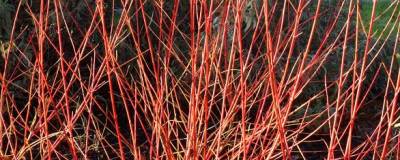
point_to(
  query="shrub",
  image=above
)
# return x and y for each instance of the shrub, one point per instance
(245, 79)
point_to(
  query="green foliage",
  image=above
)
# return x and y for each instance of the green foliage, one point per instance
(6, 10)
(383, 13)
